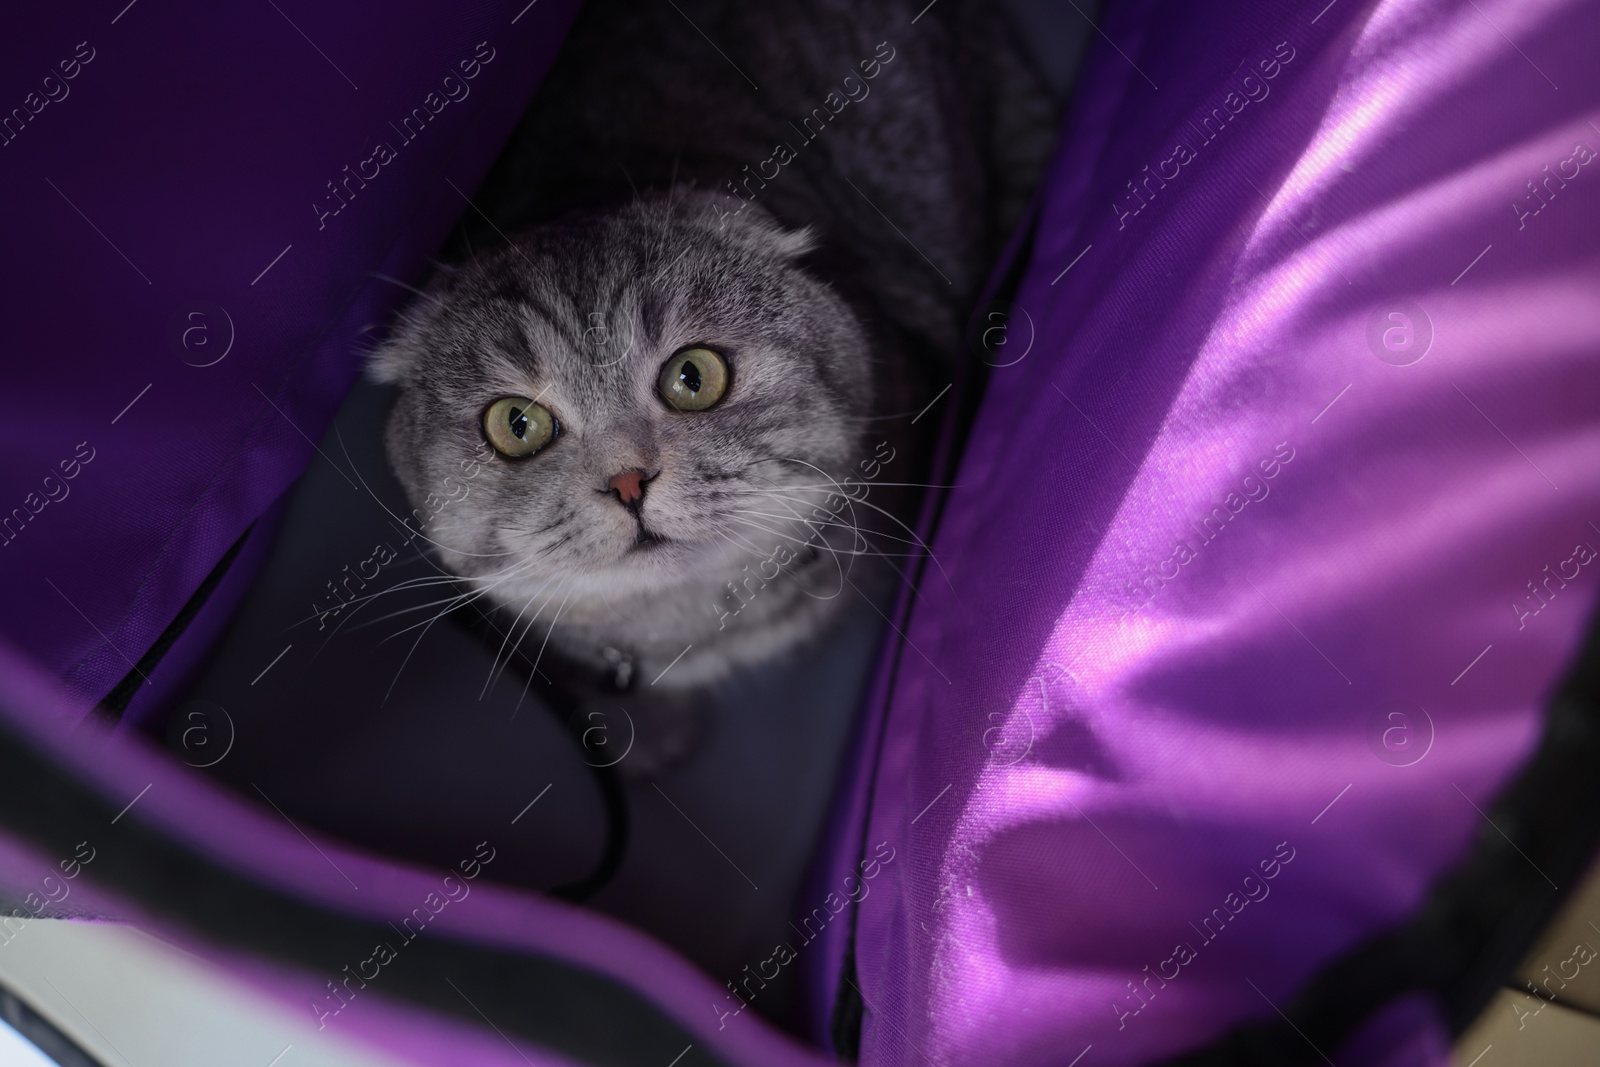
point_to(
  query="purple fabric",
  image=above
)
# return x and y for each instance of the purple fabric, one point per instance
(187, 290)
(1342, 328)
(1264, 554)
(1409, 1032)
(255, 841)
(164, 687)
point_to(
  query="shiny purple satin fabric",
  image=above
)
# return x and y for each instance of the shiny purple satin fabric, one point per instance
(1277, 522)
(1276, 526)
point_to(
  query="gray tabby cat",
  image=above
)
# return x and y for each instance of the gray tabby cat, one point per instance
(756, 230)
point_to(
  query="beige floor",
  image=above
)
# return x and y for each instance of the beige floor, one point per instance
(1556, 1037)
(1517, 1028)
(135, 1001)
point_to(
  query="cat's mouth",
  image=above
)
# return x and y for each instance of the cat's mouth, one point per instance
(647, 541)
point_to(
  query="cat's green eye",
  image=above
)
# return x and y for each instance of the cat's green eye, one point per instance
(518, 427)
(694, 379)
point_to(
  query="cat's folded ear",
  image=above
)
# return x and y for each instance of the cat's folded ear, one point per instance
(391, 362)
(792, 244)
(754, 227)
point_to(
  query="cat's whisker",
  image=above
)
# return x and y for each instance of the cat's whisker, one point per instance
(863, 536)
(888, 557)
(790, 502)
(853, 526)
(361, 602)
(510, 633)
(916, 539)
(504, 641)
(444, 577)
(802, 542)
(905, 579)
(426, 581)
(476, 590)
(458, 600)
(755, 550)
(748, 546)
(555, 619)
(884, 418)
(461, 600)
(868, 551)
(408, 584)
(408, 610)
(418, 642)
(868, 484)
(834, 522)
(536, 660)
(607, 602)
(836, 484)
(820, 545)
(412, 560)
(410, 652)
(516, 640)
(786, 503)
(438, 544)
(628, 176)
(823, 545)
(406, 286)
(495, 662)
(796, 518)
(356, 602)
(745, 547)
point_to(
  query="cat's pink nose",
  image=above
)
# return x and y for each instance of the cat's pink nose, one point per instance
(629, 485)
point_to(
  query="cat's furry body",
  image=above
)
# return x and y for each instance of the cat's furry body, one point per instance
(814, 189)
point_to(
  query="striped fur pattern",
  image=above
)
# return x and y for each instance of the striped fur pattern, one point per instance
(890, 158)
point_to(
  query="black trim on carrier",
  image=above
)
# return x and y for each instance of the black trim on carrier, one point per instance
(116, 701)
(571, 1010)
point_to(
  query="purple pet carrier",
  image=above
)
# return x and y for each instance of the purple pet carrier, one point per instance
(1243, 712)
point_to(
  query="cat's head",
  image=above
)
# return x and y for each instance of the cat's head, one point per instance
(625, 400)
